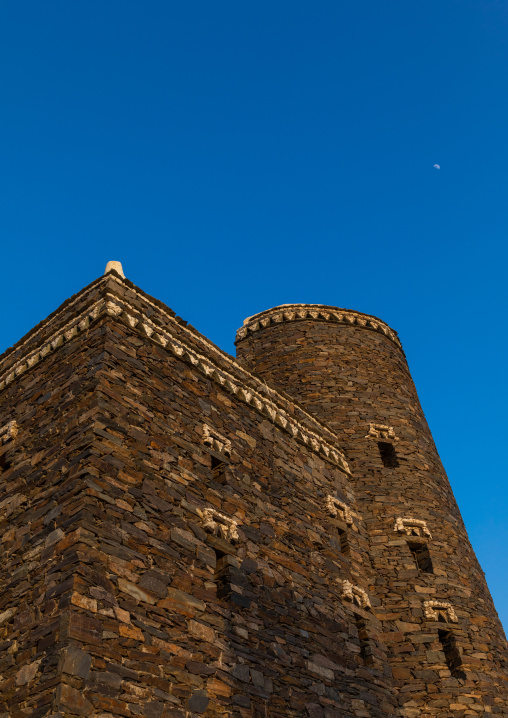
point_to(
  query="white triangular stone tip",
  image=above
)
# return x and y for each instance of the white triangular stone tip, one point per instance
(117, 266)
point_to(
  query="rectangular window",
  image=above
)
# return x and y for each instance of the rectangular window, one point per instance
(231, 581)
(218, 467)
(452, 653)
(388, 455)
(421, 556)
(221, 575)
(343, 542)
(365, 647)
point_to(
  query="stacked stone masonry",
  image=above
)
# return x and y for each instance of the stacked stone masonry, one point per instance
(188, 534)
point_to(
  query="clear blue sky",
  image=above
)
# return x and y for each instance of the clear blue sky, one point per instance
(239, 155)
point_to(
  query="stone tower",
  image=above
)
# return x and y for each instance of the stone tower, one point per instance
(188, 534)
(439, 623)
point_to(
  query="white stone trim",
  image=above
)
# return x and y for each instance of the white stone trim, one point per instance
(354, 594)
(216, 441)
(409, 526)
(8, 431)
(431, 608)
(381, 431)
(220, 525)
(54, 341)
(299, 312)
(339, 508)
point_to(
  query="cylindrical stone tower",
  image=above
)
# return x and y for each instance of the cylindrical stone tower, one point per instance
(447, 649)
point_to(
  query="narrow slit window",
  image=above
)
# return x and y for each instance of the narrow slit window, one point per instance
(388, 455)
(365, 646)
(452, 653)
(421, 556)
(218, 470)
(221, 575)
(232, 583)
(343, 541)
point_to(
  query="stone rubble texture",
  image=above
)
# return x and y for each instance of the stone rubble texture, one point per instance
(186, 534)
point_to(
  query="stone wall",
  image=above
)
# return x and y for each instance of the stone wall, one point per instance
(179, 538)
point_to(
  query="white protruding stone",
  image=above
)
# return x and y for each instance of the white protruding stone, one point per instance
(116, 266)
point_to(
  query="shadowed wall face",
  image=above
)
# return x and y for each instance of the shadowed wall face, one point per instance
(355, 378)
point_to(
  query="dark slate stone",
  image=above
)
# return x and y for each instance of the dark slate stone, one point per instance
(241, 672)
(198, 702)
(314, 710)
(240, 600)
(156, 582)
(243, 701)
(76, 662)
(153, 709)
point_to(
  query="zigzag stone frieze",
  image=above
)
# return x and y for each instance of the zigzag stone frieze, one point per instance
(64, 334)
(319, 312)
(263, 399)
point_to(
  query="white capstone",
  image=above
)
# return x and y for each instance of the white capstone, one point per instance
(117, 266)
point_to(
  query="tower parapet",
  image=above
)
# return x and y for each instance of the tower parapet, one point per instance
(317, 312)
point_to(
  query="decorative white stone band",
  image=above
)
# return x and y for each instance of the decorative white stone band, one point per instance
(380, 431)
(299, 312)
(432, 610)
(339, 508)
(411, 527)
(264, 399)
(218, 524)
(8, 432)
(65, 334)
(216, 441)
(354, 594)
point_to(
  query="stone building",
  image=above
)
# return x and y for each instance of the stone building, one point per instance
(184, 533)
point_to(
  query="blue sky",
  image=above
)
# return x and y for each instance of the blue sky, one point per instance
(235, 156)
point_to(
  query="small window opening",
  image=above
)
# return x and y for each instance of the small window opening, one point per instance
(230, 580)
(4, 464)
(218, 470)
(365, 645)
(388, 455)
(421, 556)
(343, 541)
(221, 575)
(452, 653)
